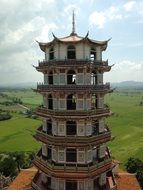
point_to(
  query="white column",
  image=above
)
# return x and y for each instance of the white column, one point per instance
(61, 184)
(54, 154)
(54, 128)
(61, 129)
(62, 79)
(44, 149)
(102, 149)
(102, 179)
(45, 125)
(101, 126)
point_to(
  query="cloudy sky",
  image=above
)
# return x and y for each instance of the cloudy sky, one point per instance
(22, 22)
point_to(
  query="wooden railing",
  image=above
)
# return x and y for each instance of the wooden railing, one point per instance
(71, 87)
(70, 140)
(91, 112)
(75, 171)
(74, 62)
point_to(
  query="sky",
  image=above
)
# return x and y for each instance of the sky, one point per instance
(22, 22)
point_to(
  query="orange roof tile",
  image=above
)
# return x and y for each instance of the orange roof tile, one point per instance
(126, 181)
(23, 180)
(71, 38)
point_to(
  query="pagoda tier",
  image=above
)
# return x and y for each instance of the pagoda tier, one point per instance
(71, 114)
(70, 140)
(74, 154)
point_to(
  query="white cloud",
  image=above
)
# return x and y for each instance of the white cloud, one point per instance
(129, 6)
(100, 18)
(124, 71)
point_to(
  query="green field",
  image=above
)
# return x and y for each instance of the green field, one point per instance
(16, 134)
(126, 124)
(29, 97)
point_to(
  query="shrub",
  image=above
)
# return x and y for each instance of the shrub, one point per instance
(135, 165)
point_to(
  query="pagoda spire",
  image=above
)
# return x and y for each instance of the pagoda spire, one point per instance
(73, 24)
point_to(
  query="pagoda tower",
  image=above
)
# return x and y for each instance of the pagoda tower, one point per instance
(74, 154)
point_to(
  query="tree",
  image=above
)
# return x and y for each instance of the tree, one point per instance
(8, 167)
(135, 165)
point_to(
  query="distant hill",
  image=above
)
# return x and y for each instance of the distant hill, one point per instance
(26, 85)
(124, 84)
(128, 84)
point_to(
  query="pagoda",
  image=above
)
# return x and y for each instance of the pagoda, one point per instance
(74, 154)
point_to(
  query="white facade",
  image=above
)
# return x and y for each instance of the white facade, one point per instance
(82, 51)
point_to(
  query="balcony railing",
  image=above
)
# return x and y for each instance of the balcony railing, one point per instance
(69, 62)
(43, 111)
(76, 170)
(70, 140)
(72, 87)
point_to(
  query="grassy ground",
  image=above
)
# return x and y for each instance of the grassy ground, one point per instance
(27, 96)
(16, 134)
(127, 125)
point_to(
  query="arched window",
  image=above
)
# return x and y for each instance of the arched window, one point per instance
(51, 53)
(71, 102)
(71, 53)
(94, 101)
(71, 128)
(50, 102)
(94, 79)
(71, 77)
(49, 127)
(92, 54)
(50, 78)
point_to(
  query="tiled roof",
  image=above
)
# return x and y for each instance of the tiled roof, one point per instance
(23, 180)
(126, 181)
(71, 38)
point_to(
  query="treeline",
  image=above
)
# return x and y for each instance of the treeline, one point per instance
(135, 165)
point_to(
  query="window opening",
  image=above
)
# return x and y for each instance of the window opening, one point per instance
(51, 54)
(92, 54)
(71, 127)
(49, 127)
(71, 155)
(94, 78)
(71, 53)
(50, 77)
(71, 77)
(71, 102)
(50, 102)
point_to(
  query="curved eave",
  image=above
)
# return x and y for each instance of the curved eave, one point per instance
(70, 39)
(102, 44)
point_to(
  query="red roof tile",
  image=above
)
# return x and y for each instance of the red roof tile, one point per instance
(23, 180)
(126, 181)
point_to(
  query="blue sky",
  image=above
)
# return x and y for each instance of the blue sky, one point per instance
(24, 21)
